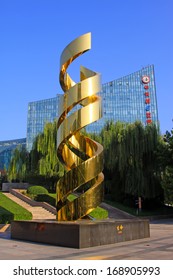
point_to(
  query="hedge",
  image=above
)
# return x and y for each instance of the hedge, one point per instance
(35, 190)
(46, 198)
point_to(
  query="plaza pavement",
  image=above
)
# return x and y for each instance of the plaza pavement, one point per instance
(158, 247)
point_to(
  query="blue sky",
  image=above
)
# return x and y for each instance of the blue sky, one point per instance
(126, 35)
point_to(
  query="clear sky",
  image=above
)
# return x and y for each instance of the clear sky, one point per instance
(126, 35)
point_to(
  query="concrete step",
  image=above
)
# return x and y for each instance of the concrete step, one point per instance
(37, 211)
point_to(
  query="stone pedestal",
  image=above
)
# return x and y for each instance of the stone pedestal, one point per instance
(81, 233)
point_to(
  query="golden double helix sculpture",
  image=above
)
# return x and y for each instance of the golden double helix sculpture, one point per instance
(81, 156)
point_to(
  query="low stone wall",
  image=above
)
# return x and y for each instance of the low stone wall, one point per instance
(6, 187)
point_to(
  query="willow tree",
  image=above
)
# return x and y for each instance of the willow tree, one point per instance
(48, 163)
(19, 164)
(43, 157)
(130, 158)
(167, 158)
(41, 165)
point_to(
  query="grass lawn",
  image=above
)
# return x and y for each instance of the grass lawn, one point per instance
(9, 211)
(98, 213)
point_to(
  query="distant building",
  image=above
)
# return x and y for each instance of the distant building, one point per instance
(127, 99)
(6, 150)
(39, 113)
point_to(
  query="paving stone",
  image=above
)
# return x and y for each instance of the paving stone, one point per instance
(157, 247)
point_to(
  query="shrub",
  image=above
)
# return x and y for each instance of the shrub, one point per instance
(35, 190)
(46, 198)
(6, 217)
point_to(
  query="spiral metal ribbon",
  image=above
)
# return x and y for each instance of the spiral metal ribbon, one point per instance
(81, 156)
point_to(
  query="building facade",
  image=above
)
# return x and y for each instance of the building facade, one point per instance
(127, 99)
(6, 151)
(39, 113)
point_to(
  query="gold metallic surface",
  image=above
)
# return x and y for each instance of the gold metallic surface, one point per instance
(82, 157)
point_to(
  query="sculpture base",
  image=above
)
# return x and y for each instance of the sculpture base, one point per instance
(81, 233)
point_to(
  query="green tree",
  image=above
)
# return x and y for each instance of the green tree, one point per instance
(48, 163)
(19, 163)
(167, 184)
(41, 165)
(131, 160)
(167, 175)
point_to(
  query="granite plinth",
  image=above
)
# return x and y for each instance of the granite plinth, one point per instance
(81, 233)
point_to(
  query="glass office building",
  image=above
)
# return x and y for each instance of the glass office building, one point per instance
(6, 151)
(127, 99)
(39, 113)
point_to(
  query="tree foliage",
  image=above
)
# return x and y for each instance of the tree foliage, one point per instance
(131, 166)
(166, 156)
(137, 161)
(18, 166)
(41, 165)
(45, 156)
